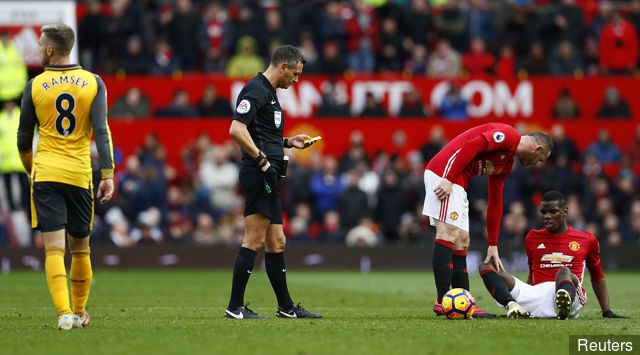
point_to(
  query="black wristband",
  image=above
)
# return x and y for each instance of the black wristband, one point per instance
(286, 143)
(261, 159)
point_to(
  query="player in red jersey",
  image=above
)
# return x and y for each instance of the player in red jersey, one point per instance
(557, 256)
(488, 149)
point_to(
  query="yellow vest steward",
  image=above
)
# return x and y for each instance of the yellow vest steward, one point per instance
(62, 99)
(13, 72)
(9, 156)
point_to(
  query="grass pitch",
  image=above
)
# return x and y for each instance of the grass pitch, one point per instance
(181, 312)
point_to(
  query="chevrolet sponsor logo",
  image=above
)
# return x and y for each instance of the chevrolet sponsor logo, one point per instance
(557, 258)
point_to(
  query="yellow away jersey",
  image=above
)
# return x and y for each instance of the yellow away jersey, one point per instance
(62, 99)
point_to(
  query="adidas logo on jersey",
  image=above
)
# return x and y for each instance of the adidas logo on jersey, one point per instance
(541, 246)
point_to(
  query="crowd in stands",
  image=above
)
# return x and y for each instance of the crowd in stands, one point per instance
(360, 199)
(443, 38)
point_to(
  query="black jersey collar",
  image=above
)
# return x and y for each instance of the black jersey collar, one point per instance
(62, 67)
(266, 81)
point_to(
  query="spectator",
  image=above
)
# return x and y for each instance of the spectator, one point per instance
(563, 146)
(391, 205)
(417, 62)
(355, 153)
(482, 23)
(220, 176)
(505, 66)
(163, 62)
(604, 149)
(565, 106)
(13, 71)
(217, 28)
(186, 32)
(332, 63)
(14, 178)
(391, 55)
(310, 54)
(477, 61)
(419, 23)
(362, 37)
(353, 204)
(565, 61)
(246, 62)
(124, 21)
(633, 148)
(134, 104)
(614, 106)
(364, 235)
(326, 187)
(372, 107)
(412, 105)
(618, 44)
(213, 106)
(134, 60)
(536, 62)
(92, 37)
(179, 106)
(332, 231)
(453, 106)
(452, 23)
(444, 61)
(437, 141)
(334, 100)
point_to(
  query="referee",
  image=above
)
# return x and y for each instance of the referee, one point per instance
(257, 126)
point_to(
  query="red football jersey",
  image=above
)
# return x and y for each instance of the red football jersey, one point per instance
(488, 149)
(461, 159)
(574, 249)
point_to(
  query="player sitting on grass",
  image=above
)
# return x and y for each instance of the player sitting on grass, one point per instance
(557, 255)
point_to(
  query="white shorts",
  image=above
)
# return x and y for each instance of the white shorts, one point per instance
(453, 210)
(540, 299)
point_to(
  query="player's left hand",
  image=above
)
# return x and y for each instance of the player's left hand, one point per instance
(105, 190)
(298, 141)
(609, 314)
(494, 258)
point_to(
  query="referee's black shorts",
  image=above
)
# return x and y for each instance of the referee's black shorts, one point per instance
(257, 199)
(60, 205)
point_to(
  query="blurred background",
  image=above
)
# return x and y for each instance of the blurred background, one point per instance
(387, 84)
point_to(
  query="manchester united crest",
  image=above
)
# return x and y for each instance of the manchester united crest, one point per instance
(575, 246)
(454, 216)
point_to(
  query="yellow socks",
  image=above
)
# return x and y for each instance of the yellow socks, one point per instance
(81, 276)
(57, 279)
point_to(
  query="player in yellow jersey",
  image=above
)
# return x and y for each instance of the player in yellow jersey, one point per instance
(68, 104)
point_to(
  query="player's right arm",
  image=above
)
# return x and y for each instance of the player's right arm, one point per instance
(26, 128)
(104, 143)
(240, 133)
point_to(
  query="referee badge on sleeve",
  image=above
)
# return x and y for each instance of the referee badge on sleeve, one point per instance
(277, 118)
(243, 107)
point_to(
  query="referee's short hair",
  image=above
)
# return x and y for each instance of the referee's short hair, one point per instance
(288, 54)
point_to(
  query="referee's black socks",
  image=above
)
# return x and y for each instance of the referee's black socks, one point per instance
(277, 273)
(242, 268)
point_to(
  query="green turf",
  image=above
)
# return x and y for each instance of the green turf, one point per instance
(180, 312)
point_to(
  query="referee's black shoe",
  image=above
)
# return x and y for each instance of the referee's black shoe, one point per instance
(242, 312)
(296, 311)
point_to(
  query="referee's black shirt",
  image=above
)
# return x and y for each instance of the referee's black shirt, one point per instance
(258, 108)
